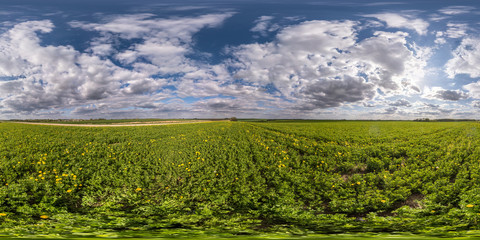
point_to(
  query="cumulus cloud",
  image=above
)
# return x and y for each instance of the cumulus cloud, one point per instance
(226, 105)
(369, 105)
(390, 110)
(84, 110)
(332, 93)
(476, 104)
(143, 86)
(401, 103)
(431, 105)
(408, 21)
(138, 63)
(320, 64)
(443, 94)
(466, 59)
(165, 42)
(473, 89)
(53, 77)
(451, 95)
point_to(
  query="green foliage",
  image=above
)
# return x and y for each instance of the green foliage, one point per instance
(243, 176)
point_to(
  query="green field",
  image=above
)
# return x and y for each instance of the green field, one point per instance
(241, 178)
(108, 121)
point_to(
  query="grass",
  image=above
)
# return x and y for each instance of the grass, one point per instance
(241, 179)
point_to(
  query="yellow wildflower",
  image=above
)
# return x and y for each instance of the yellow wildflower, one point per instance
(43, 216)
(3, 214)
(470, 205)
(138, 189)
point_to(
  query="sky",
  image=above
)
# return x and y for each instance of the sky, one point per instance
(322, 59)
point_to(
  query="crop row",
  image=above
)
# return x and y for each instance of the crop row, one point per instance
(261, 173)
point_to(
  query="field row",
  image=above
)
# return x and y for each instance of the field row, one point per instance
(324, 176)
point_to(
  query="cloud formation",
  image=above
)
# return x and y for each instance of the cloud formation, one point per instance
(466, 59)
(375, 65)
(321, 64)
(408, 21)
(53, 76)
(456, 10)
(45, 77)
(400, 103)
(443, 94)
(263, 25)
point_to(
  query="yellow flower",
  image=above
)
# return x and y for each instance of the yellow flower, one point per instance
(358, 183)
(69, 190)
(384, 201)
(138, 189)
(3, 214)
(43, 216)
(470, 205)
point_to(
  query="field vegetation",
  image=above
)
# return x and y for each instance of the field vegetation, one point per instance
(241, 177)
(112, 121)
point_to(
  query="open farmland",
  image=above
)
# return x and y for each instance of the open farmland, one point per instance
(241, 177)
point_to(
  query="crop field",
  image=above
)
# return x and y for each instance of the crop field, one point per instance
(299, 177)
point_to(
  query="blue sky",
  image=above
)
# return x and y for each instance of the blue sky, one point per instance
(249, 59)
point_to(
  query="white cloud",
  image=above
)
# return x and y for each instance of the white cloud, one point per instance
(456, 10)
(307, 68)
(466, 59)
(400, 103)
(145, 25)
(226, 105)
(262, 24)
(52, 75)
(55, 77)
(440, 38)
(318, 64)
(437, 17)
(476, 104)
(473, 89)
(165, 41)
(444, 94)
(395, 20)
(456, 30)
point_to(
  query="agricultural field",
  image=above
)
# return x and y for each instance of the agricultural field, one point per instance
(241, 178)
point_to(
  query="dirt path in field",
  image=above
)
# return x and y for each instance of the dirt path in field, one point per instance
(127, 124)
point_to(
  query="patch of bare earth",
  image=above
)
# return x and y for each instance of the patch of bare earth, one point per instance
(414, 201)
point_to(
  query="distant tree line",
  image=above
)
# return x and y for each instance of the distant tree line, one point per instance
(443, 120)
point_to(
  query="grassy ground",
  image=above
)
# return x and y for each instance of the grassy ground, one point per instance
(299, 177)
(107, 121)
